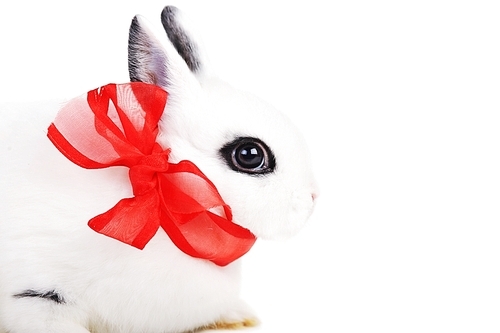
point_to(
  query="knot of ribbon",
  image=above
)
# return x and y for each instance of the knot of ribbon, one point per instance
(117, 125)
(143, 175)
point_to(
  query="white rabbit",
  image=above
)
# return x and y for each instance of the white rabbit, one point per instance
(57, 275)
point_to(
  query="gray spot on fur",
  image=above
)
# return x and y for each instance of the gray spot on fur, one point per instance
(50, 295)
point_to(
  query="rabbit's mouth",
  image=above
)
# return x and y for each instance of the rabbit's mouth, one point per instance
(303, 203)
(287, 220)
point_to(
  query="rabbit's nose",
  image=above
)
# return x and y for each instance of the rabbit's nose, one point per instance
(314, 191)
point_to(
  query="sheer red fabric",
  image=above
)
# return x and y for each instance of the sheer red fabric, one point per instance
(117, 125)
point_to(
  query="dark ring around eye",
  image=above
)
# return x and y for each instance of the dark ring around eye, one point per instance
(248, 155)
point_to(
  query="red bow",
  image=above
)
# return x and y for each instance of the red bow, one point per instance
(117, 125)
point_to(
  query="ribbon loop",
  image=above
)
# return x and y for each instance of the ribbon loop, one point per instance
(118, 125)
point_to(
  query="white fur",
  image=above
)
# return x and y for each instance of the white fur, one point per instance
(108, 286)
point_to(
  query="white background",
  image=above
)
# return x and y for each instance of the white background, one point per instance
(400, 103)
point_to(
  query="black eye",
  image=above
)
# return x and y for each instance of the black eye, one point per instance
(248, 155)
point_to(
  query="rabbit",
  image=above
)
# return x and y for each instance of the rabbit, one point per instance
(58, 275)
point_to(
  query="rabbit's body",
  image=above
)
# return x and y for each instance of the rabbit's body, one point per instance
(55, 251)
(57, 275)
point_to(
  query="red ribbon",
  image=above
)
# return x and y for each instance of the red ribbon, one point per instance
(117, 125)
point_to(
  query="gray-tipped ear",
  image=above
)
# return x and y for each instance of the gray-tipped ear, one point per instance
(147, 61)
(181, 39)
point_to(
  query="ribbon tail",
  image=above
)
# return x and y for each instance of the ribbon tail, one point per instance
(133, 221)
(196, 218)
(202, 236)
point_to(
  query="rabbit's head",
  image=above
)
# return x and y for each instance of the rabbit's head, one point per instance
(253, 154)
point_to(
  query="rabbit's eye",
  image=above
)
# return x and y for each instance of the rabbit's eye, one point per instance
(248, 155)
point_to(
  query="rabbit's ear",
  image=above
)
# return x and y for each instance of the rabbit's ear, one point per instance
(182, 38)
(152, 61)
